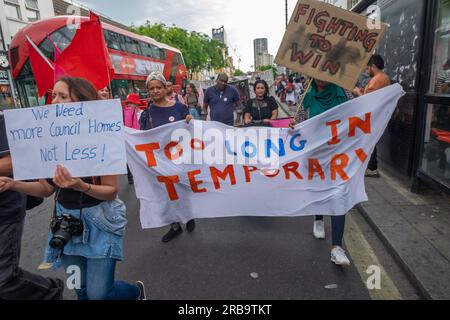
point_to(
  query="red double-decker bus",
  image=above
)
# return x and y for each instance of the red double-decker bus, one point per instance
(133, 57)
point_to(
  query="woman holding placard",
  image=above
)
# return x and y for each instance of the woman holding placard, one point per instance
(320, 97)
(88, 221)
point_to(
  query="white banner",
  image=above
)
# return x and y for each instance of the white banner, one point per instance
(209, 170)
(85, 137)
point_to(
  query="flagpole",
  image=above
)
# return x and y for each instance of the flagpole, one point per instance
(303, 98)
(39, 52)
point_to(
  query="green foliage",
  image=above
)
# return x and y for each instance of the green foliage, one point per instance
(239, 73)
(199, 51)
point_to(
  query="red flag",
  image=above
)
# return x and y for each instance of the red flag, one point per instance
(43, 69)
(87, 56)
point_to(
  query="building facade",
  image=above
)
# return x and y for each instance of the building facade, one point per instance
(345, 4)
(66, 7)
(416, 49)
(261, 53)
(220, 35)
(14, 15)
(260, 46)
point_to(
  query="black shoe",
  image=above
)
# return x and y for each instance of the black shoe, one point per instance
(142, 294)
(172, 234)
(190, 226)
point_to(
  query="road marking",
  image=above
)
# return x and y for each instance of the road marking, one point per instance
(363, 257)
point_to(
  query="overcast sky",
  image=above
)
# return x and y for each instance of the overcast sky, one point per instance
(244, 20)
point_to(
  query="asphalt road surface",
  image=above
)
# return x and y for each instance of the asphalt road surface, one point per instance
(244, 258)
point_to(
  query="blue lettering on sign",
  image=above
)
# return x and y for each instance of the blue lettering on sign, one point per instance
(27, 134)
(102, 127)
(64, 111)
(49, 155)
(245, 152)
(65, 130)
(74, 154)
(40, 113)
(299, 147)
(280, 151)
(228, 147)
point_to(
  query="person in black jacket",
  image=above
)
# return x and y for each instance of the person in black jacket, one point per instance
(16, 283)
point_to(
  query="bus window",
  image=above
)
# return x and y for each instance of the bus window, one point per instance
(162, 53)
(113, 40)
(155, 52)
(131, 45)
(63, 37)
(146, 49)
(46, 47)
(140, 89)
(121, 88)
(177, 60)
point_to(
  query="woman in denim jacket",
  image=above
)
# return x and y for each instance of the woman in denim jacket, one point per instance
(95, 247)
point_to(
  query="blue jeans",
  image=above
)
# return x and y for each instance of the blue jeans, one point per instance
(337, 229)
(97, 279)
(194, 113)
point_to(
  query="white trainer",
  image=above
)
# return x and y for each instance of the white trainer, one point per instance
(339, 257)
(319, 229)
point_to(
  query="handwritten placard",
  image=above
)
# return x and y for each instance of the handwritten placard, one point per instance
(85, 137)
(329, 43)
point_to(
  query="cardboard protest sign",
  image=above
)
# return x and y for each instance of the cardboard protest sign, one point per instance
(85, 137)
(328, 43)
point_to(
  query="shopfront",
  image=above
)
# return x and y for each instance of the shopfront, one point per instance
(434, 162)
(416, 49)
(6, 95)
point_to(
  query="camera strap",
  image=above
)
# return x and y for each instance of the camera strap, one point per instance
(80, 201)
(58, 191)
(81, 205)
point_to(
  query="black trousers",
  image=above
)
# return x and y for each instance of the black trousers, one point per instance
(373, 163)
(18, 284)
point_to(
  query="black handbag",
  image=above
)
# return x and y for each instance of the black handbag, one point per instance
(33, 202)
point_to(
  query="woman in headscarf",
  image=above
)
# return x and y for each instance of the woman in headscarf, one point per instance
(322, 97)
(160, 112)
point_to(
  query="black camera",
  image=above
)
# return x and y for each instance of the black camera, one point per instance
(63, 229)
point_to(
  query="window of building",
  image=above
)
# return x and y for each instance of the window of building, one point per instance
(436, 156)
(33, 15)
(12, 9)
(440, 81)
(2, 44)
(32, 4)
(32, 10)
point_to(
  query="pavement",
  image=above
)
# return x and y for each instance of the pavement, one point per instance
(415, 228)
